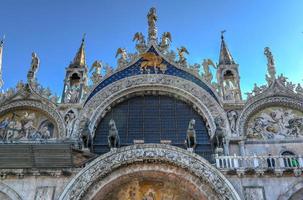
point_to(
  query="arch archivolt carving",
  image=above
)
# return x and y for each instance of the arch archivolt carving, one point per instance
(185, 90)
(258, 105)
(37, 105)
(95, 175)
(292, 189)
(12, 194)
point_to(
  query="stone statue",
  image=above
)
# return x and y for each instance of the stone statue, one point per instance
(113, 136)
(191, 139)
(182, 59)
(139, 38)
(165, 40)
(207, 73)
(152, 28)
(219, 133)
(270, 63)
(141, 44)
(123, 59)
(257, 90)
(108, 70)
(34, 67)
(232, 118)
(96, 75)
(86, 136)
(299, 89)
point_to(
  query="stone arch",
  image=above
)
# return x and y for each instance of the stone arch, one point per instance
(102, 171)
(37, 105)
(204, 103)
(9, 192)
(255, 106)
(292, 191)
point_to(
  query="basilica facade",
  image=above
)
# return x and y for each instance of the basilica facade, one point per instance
(154, 127)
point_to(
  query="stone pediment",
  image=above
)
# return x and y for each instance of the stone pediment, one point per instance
(153, 61)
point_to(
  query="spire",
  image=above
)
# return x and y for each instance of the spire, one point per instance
(80, 56)
(152, 27)
(1, 50)
(225, 56)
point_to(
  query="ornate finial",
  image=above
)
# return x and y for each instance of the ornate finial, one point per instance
(80, 55)
(83, 37)
(222, 34)
(270, 64)
(152, 28)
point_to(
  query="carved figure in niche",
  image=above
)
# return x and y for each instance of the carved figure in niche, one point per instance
(113, 136)
(3, 128)
(229, 92)
(232, 118)
(276, 123)
(191, 138)
(69, 122)
(86, 136)
(72, 95)
(219, 133)
(182, 59)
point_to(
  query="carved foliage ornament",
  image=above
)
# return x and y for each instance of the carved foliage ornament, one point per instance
(111, 161)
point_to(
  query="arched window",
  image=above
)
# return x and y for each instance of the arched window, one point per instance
(153, 119)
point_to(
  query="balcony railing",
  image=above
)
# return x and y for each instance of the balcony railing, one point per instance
(259, 163)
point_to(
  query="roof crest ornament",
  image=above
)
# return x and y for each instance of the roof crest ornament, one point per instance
(271, 68)
(1, 52)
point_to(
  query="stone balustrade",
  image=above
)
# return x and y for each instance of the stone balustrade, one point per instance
(260, 164)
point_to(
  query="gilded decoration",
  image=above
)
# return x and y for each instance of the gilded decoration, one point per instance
(276, 123)
(24, 125)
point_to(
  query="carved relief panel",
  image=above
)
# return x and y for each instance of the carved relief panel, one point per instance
(275, 123)
(25, 125)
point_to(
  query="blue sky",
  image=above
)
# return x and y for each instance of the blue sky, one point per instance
(54, 30)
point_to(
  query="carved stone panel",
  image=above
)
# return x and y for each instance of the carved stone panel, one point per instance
(45, 193)
(26, 124)
(254, 193)
(275, 123)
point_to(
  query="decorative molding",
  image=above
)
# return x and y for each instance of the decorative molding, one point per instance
(109, 162)
(49, 111)
(255, 106)
(200, 99)
(12, 194)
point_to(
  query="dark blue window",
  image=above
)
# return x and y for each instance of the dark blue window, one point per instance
(152, 119)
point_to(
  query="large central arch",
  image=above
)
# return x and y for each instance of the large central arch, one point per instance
(187, 171)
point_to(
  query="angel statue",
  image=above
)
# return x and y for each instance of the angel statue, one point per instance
(96, 75)
(165, 40)
(108, 70)
(207, 73)
(123, 59)
(141, 45)
(34, 67)
(182, 59)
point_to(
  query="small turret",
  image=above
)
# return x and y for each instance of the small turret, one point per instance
(228, 74)
(76, 80)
